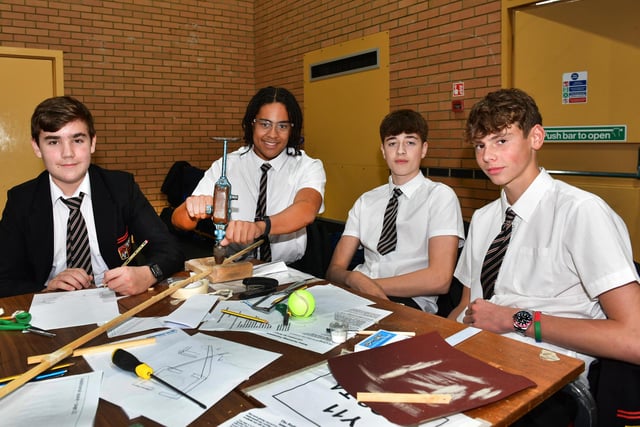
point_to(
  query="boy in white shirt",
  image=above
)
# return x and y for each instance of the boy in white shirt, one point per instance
(567, 280)
(429, 227)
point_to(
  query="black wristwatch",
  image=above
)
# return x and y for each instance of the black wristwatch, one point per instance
(521, 321)
(157, 272)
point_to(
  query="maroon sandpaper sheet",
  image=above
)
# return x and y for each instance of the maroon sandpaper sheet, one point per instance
(424, 364)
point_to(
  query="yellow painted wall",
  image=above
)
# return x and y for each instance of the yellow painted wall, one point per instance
(342, 115)
(27, 76)
(600, 37)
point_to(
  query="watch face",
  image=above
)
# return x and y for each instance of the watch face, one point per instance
(522, 319)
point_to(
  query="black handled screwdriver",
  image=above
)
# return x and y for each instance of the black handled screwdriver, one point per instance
(128, 362)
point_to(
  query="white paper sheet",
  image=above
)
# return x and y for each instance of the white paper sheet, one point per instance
(309, 333)
(287, 399)
(53, 310)
(266, 417)
(66, 401)
(136, 324)
(269, 268)
(464, 334)
(207, 368)
(191, 312)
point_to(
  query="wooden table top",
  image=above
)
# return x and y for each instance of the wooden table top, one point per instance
(510, 355)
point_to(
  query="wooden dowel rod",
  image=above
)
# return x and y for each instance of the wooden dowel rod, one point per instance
(98, 349)
(243, 251)
(403, 397)
(64, 352)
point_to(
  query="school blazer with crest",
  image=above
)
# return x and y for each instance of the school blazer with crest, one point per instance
(120, 211)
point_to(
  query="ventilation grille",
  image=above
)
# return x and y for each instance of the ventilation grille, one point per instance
(362, 61)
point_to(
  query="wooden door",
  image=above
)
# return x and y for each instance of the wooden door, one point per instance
(342, 114)
(27, 76)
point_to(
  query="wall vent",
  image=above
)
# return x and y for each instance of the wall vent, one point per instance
(362, 61)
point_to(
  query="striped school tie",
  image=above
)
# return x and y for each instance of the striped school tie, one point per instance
(495, 255)
(264, 251)
(78, 250)
(389, 236)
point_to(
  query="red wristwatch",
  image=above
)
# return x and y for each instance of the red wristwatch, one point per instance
(522, 320)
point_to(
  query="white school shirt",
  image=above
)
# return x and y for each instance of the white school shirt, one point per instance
(60, 218)
(567, 247)
(288, 175)
(426, 209)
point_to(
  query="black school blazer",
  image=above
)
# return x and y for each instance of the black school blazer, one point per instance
(121, 212)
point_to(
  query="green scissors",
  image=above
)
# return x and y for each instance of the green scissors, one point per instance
(21, 322)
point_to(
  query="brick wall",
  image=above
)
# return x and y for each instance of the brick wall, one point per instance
(161, 77)
(432, 44)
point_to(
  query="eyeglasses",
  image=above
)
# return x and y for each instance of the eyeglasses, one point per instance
(266, 125)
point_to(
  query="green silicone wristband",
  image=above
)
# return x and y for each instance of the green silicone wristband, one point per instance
(537, 328)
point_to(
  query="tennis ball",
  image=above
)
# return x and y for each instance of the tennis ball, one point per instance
(301, 303)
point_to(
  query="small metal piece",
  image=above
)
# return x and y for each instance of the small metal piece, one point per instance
(285, 293)
(38, 331)
(224, 138)
(219, 253)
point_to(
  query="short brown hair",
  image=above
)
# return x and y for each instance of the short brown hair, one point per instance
(53, 114)
(407, 121)
(499, 110)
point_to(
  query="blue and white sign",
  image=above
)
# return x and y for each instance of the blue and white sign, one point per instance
(574, 87)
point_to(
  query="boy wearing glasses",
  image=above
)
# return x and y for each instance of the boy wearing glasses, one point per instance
(272, 158)
(409, 257)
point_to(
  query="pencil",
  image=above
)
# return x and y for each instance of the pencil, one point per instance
(407, 333)
(52, 374)
(53, 370)
(359, 332)
(244, 316)
(136, 252)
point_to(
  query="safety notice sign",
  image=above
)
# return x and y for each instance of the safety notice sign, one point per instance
(574, 87)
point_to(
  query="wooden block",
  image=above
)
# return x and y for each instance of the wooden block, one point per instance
(220, 272)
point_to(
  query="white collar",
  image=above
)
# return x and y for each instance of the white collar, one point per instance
(84, 187)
